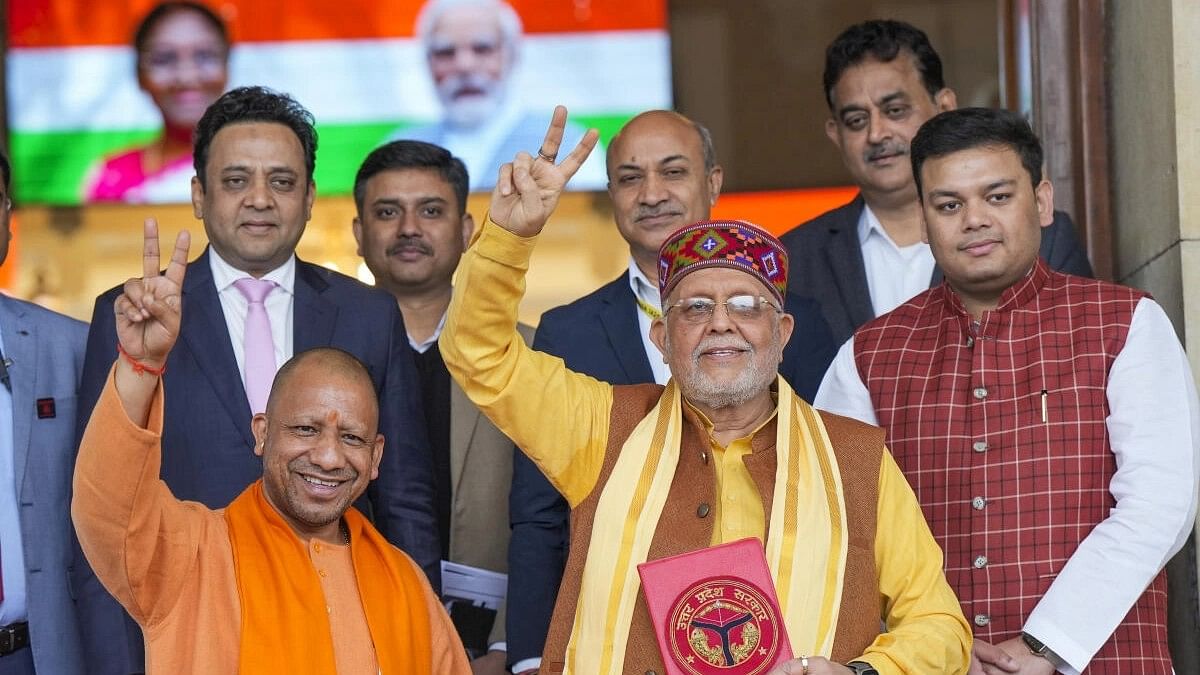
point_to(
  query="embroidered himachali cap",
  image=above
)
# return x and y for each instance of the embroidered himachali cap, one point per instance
(736, 244)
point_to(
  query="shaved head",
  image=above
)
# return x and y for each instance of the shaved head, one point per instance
(332, 361)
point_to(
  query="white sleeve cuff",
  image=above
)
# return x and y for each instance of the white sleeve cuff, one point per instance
(527, 664)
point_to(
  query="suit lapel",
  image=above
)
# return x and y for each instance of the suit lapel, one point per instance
(206, 334)
(313, 317)
(620, 322)
(20, 347)
(846, 264)
(464, 417)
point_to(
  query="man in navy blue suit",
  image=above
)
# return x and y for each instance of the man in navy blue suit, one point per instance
(255, 151)
(662, 175)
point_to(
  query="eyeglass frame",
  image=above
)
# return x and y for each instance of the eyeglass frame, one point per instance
(761, 300)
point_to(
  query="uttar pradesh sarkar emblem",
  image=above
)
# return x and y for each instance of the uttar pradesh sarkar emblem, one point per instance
(725, 626)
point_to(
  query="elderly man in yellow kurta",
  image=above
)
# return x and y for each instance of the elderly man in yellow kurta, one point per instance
(289, 578)
(724, 451)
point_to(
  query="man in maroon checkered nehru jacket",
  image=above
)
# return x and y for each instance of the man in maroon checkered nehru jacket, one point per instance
(1048, 423)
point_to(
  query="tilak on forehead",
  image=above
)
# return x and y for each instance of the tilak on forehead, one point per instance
(735, 244)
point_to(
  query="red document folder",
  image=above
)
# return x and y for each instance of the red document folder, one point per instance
(715, 611)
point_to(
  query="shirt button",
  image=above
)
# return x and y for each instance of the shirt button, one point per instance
(978, 503)
(317, 546)
(322, 573)
(980, 446)
(702, 510)
(982, 619)
(980, 393)
(970, 342)
(980, 562)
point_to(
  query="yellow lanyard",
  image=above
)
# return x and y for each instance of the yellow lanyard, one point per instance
(648, 309)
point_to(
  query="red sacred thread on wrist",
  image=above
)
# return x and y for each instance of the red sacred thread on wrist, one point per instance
(138, 366)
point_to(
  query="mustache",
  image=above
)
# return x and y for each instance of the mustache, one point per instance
(407, 243)
(874, 152)
(455, 84)
(644, 212)
(721, 342)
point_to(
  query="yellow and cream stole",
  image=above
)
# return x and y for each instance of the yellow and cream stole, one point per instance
(806, 538)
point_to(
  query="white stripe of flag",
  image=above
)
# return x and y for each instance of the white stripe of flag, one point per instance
(354, 81)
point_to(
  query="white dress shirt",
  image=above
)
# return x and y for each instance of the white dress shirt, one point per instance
(422, 347)
(647, 292)
(12, 548)
(894, 273)
(1154, 432)
(235, 306)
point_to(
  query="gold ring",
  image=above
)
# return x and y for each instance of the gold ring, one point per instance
(548, 158)
(804, 664)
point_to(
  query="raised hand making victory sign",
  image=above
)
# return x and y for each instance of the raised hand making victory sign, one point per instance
(529, 187)
(147, 317)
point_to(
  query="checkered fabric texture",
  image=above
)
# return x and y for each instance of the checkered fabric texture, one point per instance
(1008, 496)
(724, 243)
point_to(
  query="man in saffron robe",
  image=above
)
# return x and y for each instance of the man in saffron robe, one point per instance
(288, 578)
(724, 451)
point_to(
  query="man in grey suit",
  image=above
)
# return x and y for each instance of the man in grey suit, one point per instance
(39, 373)
(883, 80)
(472, 48)
(412, 227)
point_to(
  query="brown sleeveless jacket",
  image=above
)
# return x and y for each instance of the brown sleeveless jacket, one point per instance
(686, 526)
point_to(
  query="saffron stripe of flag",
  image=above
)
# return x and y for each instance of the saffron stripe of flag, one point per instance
(62, 23)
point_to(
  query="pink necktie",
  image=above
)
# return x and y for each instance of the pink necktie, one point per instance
(258, 345)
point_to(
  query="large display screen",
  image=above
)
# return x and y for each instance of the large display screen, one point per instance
(94, 118)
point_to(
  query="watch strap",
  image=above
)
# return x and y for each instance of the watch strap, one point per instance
(1034, 645)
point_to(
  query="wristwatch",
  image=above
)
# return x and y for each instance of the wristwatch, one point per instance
(862, 668)
(1035, 646)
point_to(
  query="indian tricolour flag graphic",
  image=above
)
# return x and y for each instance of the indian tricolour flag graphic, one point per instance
(73, 94)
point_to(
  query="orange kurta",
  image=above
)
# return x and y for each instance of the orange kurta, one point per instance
(170, 563)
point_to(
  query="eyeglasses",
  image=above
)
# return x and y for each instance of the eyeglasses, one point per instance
(738, 307)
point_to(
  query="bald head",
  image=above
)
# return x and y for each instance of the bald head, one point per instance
(654, 122)
(324, 363)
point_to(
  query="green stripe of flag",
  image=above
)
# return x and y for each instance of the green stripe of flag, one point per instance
(50, 167)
